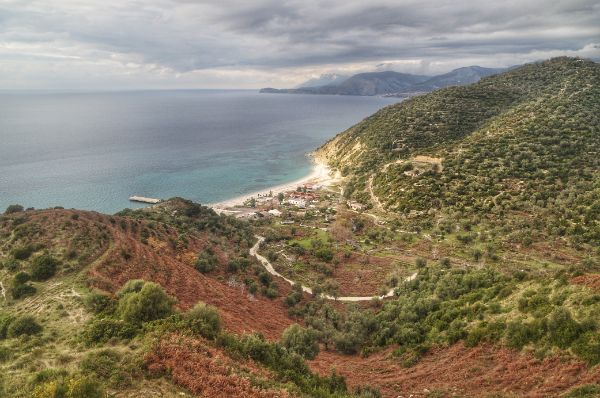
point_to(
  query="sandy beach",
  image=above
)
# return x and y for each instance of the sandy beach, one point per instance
(320, 174)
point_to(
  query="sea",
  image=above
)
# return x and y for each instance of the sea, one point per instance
(92, 150)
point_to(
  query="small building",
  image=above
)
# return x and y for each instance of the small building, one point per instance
(355, 205)
(275, 212)
(299, 202)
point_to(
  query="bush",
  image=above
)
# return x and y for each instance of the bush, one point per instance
(131, 286)
(97, 302)
(587, 347)
(21, 278)
(23, 325)
(324, 254)
(99, 331)
(270, 291)
(76, 387)
(82, 387)
(10, 265)
(5, 321)
(301, 341)
(519, 334)
(110, 366)
(367, 392)
(149, 304)
(206, 262)
(23, 253)
(5, 354)
(204, 320)
(294, 297)
(20, 291)
(346, 343)
(562, 328)
(14, 209)
(44, 267)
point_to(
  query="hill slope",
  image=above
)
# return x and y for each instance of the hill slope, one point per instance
(506, 153)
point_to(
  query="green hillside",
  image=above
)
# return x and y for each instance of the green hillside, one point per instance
(515, 155)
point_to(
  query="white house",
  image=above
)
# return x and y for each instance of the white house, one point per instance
(297, 202)
(275, 212)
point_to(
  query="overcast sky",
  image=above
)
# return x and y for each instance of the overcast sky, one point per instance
(277, 43)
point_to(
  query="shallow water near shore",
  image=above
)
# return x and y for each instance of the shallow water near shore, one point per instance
(94, 150)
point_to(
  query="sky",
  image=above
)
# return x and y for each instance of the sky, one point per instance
(133, 44)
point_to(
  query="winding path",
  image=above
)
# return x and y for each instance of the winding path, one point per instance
(269, 267)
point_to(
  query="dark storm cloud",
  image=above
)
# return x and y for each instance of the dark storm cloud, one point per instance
(185, 36)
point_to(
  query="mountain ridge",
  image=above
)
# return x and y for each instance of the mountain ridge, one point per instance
(392, 83)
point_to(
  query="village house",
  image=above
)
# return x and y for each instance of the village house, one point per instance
(275, 212)
(296, 201)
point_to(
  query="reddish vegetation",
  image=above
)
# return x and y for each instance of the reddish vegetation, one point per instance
(207, 371)
(114, 248)
(460, 370)
(170, 267)
(589, 280)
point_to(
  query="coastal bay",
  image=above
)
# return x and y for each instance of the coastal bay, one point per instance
(95, 150)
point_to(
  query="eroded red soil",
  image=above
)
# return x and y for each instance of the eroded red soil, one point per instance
(589, 280)
(171, 268)
(206, 371)
(462, 371)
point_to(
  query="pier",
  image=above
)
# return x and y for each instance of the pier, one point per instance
(144, 199)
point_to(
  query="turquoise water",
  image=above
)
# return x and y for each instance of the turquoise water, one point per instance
(94, 150)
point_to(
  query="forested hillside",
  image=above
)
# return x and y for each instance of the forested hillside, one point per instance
(515, 154)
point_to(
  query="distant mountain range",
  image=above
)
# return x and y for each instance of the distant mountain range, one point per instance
(388, 83)
(325, 79)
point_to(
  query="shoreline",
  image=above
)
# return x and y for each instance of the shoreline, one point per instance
(320, 174)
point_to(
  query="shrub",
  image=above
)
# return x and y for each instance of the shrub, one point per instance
(519, 334)
(110, 366)
(23, 290)
(23, 325)
(131, 286)
(5, 354)
(324, 254)
(76, 387)
(21, 277)
(23, 253)
(346, 343)
(421, 263)
(14, 209)
(272, 256)
(587, 347)
(206, 262)
(204, 320)
(301, 341)
(5, 321)
(82, 387)
(295, 296)
(44, 267)
(562, 328)
(99, 331)
(149, 304)
(270, 291)
(445, 262)
(98, 302)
